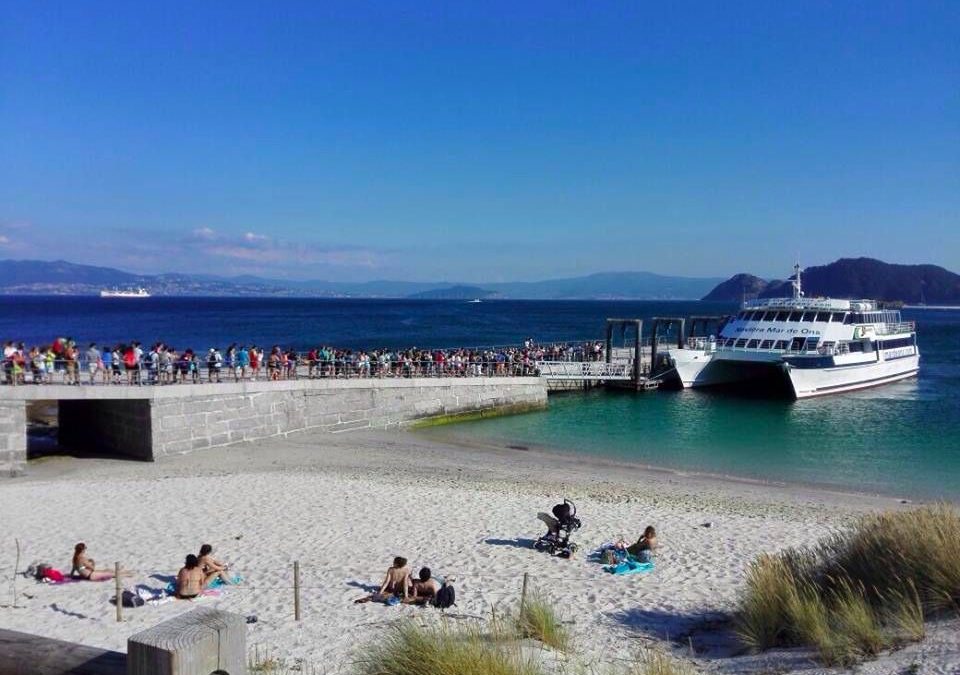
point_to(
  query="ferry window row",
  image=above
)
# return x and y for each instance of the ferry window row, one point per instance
(821, 317)
(797, 344)
(895, 344)
(794, 316)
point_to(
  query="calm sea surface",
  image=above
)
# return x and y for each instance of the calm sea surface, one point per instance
(902, 439)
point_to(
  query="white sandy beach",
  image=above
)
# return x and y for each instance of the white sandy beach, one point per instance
(345, 505)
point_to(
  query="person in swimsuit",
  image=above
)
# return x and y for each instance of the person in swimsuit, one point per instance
(212, 568)
(396, 583)
(84, 567)
(643, 549)
(190, 579)
(424, 588)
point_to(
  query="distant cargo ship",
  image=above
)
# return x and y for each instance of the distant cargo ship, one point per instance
(115, 293)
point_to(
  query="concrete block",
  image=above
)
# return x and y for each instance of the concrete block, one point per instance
(200, 642)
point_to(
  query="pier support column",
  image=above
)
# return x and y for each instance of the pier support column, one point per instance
(13, 438)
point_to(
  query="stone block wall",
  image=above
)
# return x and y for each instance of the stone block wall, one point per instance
(183, 424)
(13, 438)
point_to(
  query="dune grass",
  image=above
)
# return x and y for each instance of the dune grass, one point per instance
(858, 592)
(537, 619)
(659, 662)
(409, 649)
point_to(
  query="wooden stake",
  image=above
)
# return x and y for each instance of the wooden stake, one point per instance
(296, 590)
(119, 584)
(523, 592)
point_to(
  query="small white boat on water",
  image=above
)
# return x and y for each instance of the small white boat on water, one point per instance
(474, 301)
(819, 345)
(117, 293)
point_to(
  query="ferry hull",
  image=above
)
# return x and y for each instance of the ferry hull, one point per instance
(807, 383)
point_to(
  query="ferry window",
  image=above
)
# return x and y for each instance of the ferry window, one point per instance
(780, 344)
(795, 316)
(809, 316)
(849, 318)
(742, 315)
(753, 316)
(730, 342)
(781, 316)
(753, 344)
(740, 343)
(766, 344)
(766, 316)
(855, 346)
(822, 316)
(797, 344)
(812, 344)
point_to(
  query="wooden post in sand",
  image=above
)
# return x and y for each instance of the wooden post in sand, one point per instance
(296, 590)
(119, 585)
(523, 593)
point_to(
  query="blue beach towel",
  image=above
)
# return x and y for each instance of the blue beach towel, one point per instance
(629, 566)
(218, 582)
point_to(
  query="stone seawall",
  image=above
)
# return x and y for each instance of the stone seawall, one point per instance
(150, 422)
(13, 438)
(196, 422)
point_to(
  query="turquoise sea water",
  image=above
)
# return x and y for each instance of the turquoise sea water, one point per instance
(902, 439)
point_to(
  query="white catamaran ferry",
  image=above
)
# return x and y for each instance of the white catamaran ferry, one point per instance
(819, 345)
(116, 293)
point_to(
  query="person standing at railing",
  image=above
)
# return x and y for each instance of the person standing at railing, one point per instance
(71, 357)
(94, 362)
(256, 359)
(214, 363)
(243, 362)
(106, 364)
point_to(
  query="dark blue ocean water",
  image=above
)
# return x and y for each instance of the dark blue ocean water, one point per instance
(901, 439)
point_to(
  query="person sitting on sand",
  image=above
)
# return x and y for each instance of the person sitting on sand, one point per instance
(396, 583)
(643, 549)
(190, 579)
(424, 588)
(84, 567)
(212, 568)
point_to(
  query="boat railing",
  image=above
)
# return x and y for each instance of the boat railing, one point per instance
(894, 328)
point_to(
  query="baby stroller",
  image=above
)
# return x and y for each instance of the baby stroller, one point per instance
(559, 526)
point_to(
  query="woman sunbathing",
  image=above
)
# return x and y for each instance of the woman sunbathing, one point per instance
(396, 583)
(643, 549)
(84, 567)
(190, 579)
(212, 568)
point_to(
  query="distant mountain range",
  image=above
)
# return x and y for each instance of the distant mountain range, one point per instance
(64, 278)
(852, 278)
(845, 278)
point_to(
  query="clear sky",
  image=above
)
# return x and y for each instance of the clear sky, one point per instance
(479, 141)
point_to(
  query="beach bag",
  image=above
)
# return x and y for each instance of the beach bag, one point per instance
(130, 599)
(446, 597)
(52, 575)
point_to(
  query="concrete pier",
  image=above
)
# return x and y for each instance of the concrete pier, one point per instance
(150, 422)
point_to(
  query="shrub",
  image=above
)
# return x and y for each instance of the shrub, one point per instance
(858, 592)
(538, 620)
(658, 662)
(413, 650)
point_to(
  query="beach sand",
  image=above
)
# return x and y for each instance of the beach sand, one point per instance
(345, 505)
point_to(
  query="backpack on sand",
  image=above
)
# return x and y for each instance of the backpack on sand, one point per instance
(446, 597)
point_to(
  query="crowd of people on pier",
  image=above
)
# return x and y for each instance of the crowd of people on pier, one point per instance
(64, 361)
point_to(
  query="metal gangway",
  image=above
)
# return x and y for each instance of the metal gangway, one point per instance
(585, 370)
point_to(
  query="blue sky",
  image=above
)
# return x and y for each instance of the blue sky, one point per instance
(479, 142)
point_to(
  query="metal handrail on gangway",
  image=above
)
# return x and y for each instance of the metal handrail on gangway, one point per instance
(585, 370)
